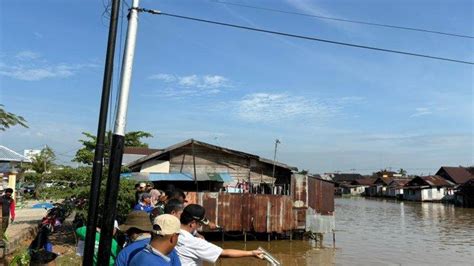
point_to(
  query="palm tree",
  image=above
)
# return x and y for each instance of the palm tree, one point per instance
(44, 161)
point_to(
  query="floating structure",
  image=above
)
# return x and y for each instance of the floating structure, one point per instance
(241, 191)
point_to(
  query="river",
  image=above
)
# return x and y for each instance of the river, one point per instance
(381, 232)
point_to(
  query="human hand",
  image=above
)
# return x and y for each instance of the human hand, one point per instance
(213, 226)
(258, 254)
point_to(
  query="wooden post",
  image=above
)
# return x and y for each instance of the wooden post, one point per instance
(333, 239)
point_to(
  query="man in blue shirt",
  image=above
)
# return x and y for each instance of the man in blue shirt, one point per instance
(161, 251)
(144, 204)
(137, 227)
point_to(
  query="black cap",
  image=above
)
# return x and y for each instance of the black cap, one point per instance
(195, 212)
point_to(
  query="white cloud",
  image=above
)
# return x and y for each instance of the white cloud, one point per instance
(163, 77)
(38, 35)
(311, 8)
(191, 85)
(27, 55)
(27, 66)
(268, 107)
(421, 111)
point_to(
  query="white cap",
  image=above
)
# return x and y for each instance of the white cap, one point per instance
(166, 224)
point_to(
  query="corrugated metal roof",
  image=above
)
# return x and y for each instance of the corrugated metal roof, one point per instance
(7, 155)
(210, 146)
(139, 150)
(201, 176)
(432, 181)
(457, 174)
(158, 176)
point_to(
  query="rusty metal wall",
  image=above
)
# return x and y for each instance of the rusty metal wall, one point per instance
(247, 212)
(299, 184)
(321, 195)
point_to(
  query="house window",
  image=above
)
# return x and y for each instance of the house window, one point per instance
(438, 189)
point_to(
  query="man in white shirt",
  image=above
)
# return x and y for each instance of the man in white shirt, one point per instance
(193, 250)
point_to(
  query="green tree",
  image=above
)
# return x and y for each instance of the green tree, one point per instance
(44, 161)
(402, 171)
(85, 154)
(8, 119)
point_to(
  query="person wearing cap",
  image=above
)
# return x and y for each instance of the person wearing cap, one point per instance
(193, 250)
(161, 250)
(137, 226)
(81, 234)
(144, 204)
(139, 190)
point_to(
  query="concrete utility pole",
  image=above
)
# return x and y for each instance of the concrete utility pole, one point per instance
(277, 141)
(118, 139)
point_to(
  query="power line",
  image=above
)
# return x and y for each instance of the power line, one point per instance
(156, 12)
(346, 20)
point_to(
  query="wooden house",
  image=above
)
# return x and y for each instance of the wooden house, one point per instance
(465, 194)
(379, 187)
(395, 188)
(198, 166)
(458, 175)
(427, 188)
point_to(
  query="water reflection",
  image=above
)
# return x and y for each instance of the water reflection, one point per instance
(381, 232)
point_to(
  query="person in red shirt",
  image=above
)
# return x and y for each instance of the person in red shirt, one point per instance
(8, 211)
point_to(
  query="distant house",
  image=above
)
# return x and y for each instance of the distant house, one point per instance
(465, 194)
(344, 177)
(395, 188)
(9, 163)
(387, 174)
(379, 187)
(196, 165)
(427, 188)
(356, 187)
(458, 175)
(131, 154)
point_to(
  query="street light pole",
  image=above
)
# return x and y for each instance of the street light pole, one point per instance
(118, 140)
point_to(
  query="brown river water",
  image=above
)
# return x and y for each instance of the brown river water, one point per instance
(380, 232)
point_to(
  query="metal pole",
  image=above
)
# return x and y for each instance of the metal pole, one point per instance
(118, 139)
(274, 161)
(194, 165)
(99, 148)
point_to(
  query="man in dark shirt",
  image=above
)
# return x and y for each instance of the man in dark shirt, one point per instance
(8, 211)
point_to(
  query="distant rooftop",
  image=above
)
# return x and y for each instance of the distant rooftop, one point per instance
(7, 155)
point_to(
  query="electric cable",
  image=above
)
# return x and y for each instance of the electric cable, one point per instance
(156, 12)
(346, 20)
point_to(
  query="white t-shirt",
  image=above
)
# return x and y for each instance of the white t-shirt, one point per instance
(192, 251)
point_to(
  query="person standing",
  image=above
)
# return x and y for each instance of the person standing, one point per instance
(8, 211)
(144, 204)
(81, 234)
(138, 228)
(194, 250)
(161, 250)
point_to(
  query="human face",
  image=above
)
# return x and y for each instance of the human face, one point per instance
(8, 194)
(147, 201)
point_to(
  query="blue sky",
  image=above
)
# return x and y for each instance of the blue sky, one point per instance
(333, 108)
